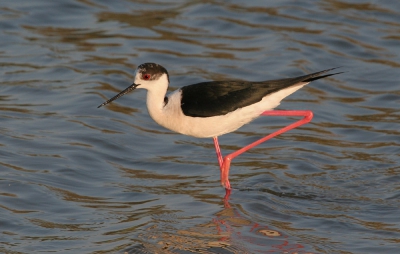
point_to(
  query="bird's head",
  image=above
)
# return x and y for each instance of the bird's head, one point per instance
(150, 76)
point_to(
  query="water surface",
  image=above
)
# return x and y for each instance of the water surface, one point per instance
(77, 179)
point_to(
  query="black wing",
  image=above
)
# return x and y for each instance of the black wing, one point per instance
(215, 98)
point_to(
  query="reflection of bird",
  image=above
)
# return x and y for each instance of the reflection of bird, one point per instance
(211, 109)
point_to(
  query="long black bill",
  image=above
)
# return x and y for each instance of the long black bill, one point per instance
(127, 90)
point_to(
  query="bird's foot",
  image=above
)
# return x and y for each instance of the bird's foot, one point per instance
(225, 173)
(226, 184)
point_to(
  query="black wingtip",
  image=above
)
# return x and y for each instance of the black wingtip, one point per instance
(316, 75)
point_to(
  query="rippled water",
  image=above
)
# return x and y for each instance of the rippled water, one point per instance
(77, 179)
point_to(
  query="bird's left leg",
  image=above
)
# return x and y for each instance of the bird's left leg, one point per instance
(224, 163)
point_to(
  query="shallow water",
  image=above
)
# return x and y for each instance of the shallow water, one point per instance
(77, 179)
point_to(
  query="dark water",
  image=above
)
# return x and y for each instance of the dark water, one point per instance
(77, 179)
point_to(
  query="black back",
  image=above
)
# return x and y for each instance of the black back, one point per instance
(215, 98)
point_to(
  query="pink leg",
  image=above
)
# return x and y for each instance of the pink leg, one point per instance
(224, 163)
(221, 162)
(218, 151)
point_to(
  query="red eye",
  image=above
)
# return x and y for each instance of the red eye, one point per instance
(146, 76)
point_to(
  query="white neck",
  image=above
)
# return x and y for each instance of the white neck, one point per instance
(155, 104)
(155, 97)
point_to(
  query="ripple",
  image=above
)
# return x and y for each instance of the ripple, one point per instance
(75, 178)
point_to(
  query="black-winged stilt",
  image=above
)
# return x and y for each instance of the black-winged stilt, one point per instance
(211, 109)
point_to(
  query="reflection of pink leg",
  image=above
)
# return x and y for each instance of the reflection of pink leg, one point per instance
(224, 163)
(226, 198)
